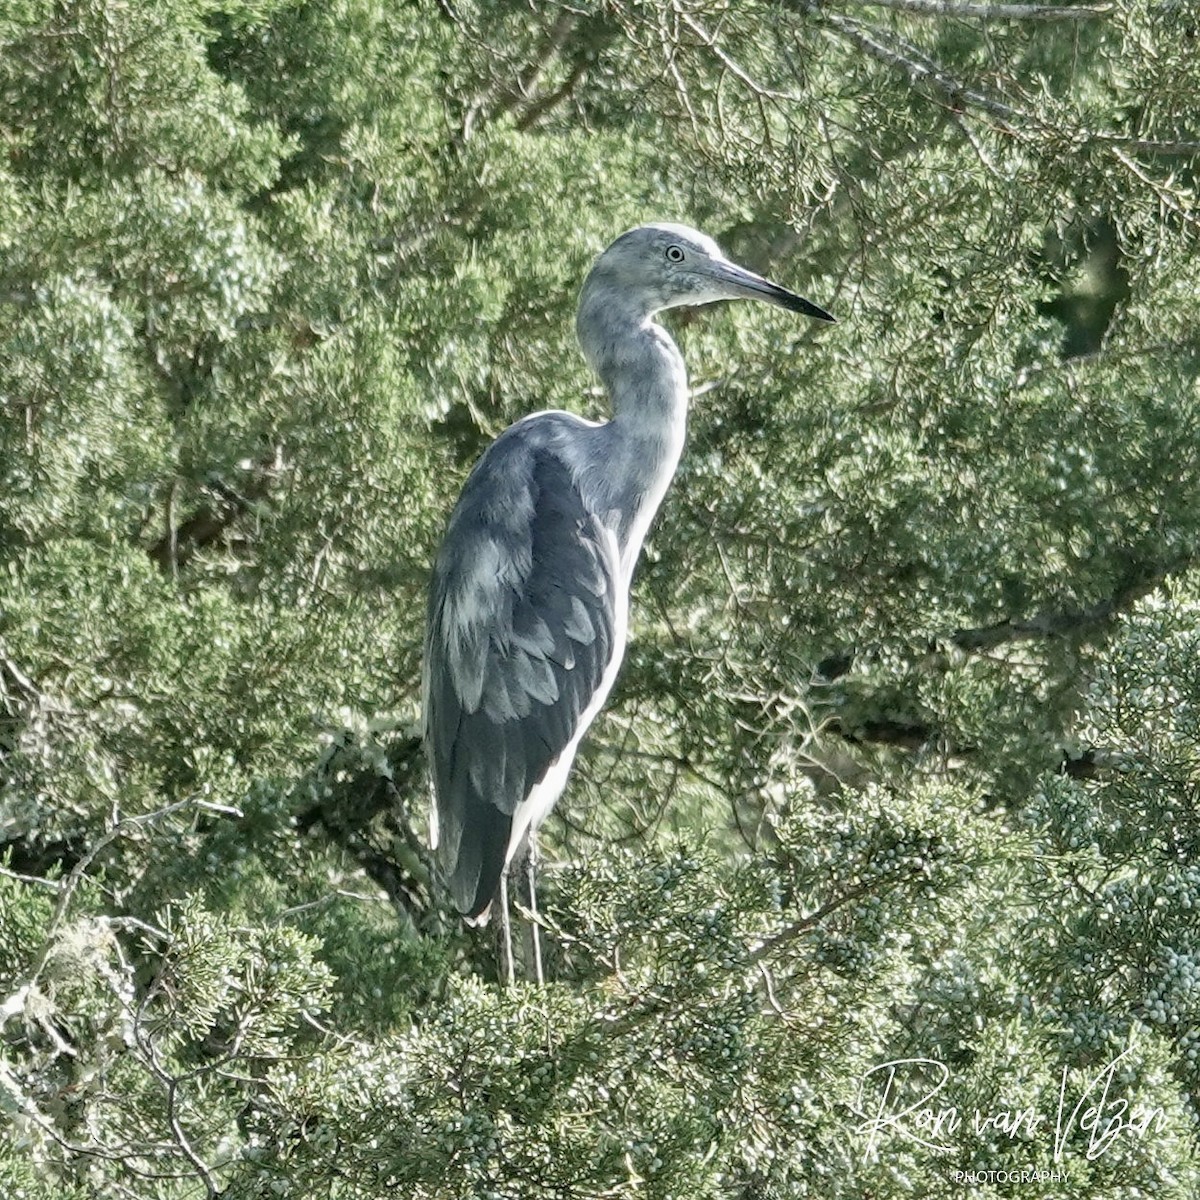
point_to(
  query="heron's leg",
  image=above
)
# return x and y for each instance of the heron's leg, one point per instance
(510, 974)
(534, 928)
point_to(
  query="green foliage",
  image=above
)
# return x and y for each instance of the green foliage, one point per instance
(902, 764)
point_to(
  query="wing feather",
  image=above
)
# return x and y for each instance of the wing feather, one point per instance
(522, 625)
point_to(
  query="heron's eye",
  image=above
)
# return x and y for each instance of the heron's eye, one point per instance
(674, 254)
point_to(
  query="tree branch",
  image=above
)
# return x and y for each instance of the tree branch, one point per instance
(993, 12)
(1141, 582)
(209, 523)
(805, 924)
(553, 41)
(915, 735)
(920, 69)
(358, 809)
(552, 99)
(591, 37)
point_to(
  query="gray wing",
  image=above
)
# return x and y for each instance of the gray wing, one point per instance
(522, 623)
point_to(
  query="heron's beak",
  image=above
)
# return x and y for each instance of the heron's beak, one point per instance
(737, 281)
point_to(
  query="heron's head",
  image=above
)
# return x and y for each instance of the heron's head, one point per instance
(664, 266)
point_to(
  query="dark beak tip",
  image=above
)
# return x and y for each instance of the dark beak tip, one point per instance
(809, 309)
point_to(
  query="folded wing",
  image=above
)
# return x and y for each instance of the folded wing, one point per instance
(522, 625)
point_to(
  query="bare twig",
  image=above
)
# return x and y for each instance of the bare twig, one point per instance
(712, 43)
(1167, 196)
(170, 1084)
(34, 879)
(805, 924)
(769, 985)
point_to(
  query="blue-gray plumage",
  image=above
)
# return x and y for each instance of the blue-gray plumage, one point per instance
(529, 600)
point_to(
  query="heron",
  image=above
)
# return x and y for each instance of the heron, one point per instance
(529, 596)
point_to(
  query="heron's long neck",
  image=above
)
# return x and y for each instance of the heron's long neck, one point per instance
(643, 372)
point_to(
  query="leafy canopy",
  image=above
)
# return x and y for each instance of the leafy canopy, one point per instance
(902, 761)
